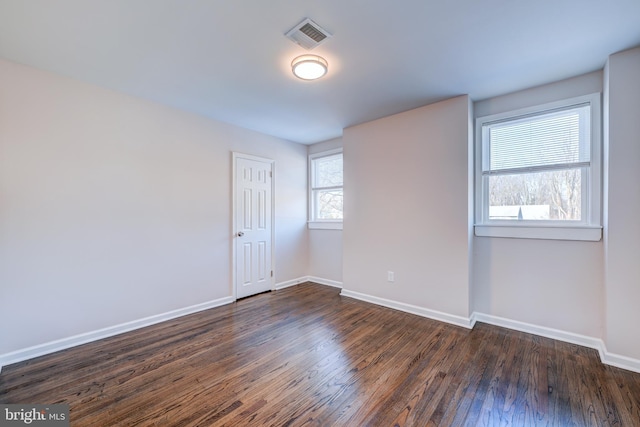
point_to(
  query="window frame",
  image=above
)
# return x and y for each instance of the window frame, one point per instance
(313, 221)
(589, 228)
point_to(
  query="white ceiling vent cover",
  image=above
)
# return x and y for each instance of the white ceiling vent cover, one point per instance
(308, 34)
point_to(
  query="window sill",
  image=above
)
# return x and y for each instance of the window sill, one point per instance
(324, 225)
(583, 233)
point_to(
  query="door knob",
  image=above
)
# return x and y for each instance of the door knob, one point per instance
(240, 233)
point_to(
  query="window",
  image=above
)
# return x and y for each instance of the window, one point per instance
(325, 190)
(538, 172)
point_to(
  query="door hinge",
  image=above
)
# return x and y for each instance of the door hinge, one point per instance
(271, 273)
(270, 174)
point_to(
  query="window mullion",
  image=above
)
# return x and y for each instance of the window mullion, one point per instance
(332, 187)
(533, 169)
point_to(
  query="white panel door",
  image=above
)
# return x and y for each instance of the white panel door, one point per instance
(253, 233)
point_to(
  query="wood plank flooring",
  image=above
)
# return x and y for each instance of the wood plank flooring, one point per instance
(305, 356)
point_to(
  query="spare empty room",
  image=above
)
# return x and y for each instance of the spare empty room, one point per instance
(440, 226)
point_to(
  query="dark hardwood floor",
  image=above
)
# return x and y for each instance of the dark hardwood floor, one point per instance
(307, 356)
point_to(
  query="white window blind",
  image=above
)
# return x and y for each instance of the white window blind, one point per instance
(553, 140)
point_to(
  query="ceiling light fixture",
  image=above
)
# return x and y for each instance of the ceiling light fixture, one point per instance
(309, 67)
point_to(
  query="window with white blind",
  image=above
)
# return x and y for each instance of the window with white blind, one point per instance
(325, 190)
(538, 172)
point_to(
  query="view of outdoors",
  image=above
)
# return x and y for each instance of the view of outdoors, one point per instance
(327, 187)
(554, 195)
(536, 166)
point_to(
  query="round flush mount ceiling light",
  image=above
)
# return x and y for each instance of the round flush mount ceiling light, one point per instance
(309, 67)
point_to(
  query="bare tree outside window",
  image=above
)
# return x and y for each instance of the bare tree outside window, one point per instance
(557, 191)
(326, 188)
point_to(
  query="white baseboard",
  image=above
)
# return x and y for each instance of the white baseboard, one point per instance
(619, 361)
(303, 279)
(598, 344)
(64, 343)
(289, 283)
(607, 358)
(325, 282)
(542, 331)
(413, 309)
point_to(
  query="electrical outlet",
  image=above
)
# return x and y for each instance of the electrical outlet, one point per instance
(390, 276)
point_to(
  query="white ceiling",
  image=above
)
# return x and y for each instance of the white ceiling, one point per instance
(229, 59)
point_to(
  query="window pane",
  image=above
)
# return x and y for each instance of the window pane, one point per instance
(554, 138)
(328, 204)
(552, 195)
(328, 171)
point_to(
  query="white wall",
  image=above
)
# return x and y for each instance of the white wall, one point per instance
(325, 246)
(622, 199)
(406, 207)
(113, 208)
(550, 283)
(325, 255)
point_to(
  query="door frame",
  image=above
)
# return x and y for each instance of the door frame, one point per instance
(234, 157)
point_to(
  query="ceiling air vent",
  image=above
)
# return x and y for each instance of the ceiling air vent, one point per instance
(308, 34)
